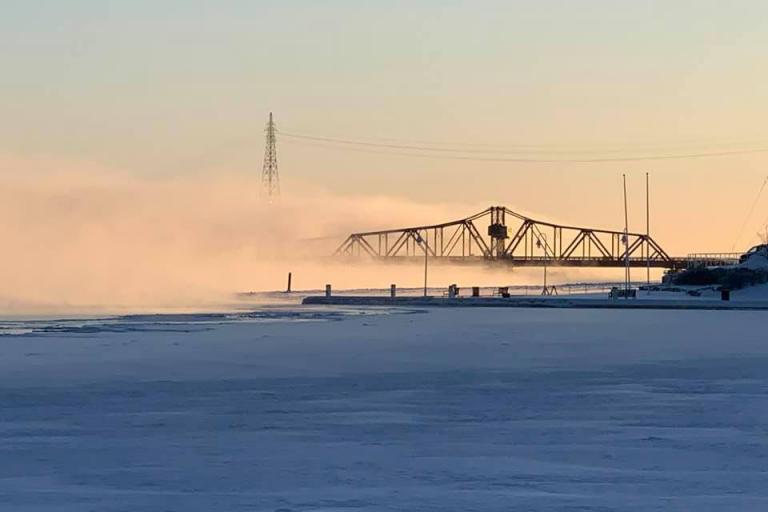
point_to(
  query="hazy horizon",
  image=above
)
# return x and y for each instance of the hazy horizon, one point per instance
(131, 134)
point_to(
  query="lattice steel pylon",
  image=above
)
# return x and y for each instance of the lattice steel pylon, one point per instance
(270, 179)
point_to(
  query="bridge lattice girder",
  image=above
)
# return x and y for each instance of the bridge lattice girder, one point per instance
(532, 242)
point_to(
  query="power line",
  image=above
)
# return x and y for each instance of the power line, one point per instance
(550, 148)
(751, 211)
(434, 153)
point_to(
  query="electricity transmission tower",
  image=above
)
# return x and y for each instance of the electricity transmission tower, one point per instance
(270, 180)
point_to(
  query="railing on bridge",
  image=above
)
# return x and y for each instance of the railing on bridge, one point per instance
(531, 243)
(712, 259)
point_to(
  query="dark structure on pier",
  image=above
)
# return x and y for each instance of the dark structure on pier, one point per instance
(488, 238)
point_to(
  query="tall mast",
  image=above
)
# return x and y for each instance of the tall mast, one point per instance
(626, 240)
(270, 179)
(648, 231)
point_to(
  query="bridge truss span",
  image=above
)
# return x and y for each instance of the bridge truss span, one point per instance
(500, 235)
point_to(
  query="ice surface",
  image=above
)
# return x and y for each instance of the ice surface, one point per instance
(456, 409)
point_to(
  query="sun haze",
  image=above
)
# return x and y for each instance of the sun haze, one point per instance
(132, 134)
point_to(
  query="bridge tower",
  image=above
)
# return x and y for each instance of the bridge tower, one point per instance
(270, 179)
(498, 231)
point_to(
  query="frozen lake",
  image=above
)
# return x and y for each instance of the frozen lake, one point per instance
(319, 409)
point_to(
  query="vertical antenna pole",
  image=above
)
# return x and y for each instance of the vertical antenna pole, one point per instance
(545, 265)
(648, 232)
(626, 240)
(426, 256)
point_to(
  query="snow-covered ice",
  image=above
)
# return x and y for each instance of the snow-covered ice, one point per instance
(335, 410)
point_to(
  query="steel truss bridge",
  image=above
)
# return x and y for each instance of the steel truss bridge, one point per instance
(523, 242)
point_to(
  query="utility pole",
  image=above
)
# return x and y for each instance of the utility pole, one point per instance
(626, 241)
(426, 259)
(539, 237)
(270, 179)
(423, 240)
(647, 233)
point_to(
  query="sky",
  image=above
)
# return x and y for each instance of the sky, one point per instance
(106, 99)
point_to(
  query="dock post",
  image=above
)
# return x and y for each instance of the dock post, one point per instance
(392, 290)
(289, 283)
(327, 290)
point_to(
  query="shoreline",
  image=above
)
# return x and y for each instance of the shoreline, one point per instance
(528, 302)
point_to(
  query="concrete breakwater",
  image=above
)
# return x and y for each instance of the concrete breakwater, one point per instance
(537, 302)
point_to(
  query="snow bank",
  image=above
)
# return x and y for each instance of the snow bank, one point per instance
(752, 293)
(755, 262)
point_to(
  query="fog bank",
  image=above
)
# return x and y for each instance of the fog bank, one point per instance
(76, 235)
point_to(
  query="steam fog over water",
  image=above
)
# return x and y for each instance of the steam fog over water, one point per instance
(79, 238)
